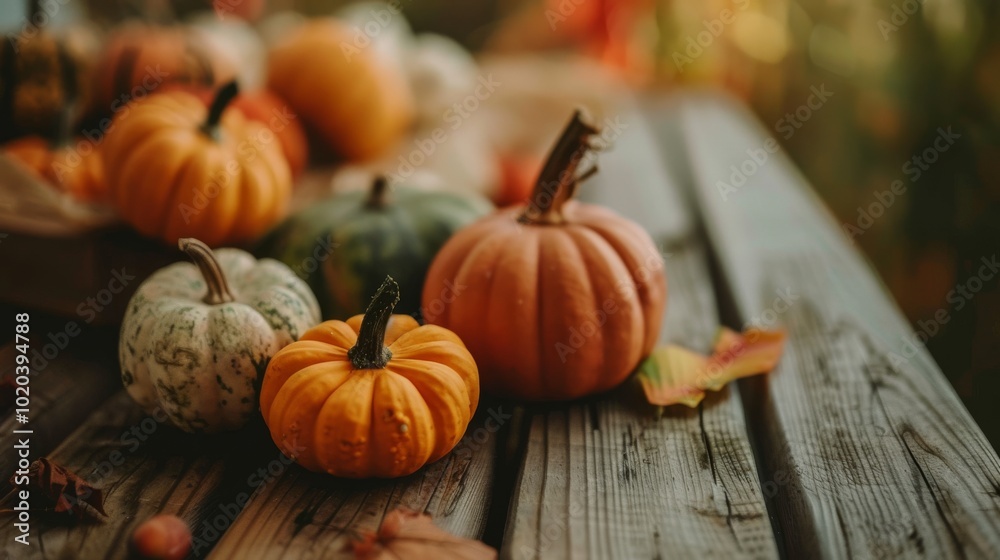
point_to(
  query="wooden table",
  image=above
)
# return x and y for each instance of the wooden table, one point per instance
(856, 446)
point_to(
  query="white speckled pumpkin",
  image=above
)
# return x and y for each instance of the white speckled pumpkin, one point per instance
(196, 339)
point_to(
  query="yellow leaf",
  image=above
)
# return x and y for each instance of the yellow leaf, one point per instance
(676, 375)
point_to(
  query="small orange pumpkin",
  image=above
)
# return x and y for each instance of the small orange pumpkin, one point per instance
(376, 396)
(360, 105)
(264, 106)
(75, 171)
(139, 58)
(178, 169)
(556, 299)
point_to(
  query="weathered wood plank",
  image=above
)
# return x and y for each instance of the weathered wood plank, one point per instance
(62, 395)
(870, 450)
(307, 515)
(145, 467)
(610, 479)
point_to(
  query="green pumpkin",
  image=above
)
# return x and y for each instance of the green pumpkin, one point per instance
(345, 246)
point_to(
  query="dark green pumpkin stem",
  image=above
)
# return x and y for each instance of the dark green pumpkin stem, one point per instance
(558, 179)
(378, 196)
(370, 352)
(202, 255)
(223, 97)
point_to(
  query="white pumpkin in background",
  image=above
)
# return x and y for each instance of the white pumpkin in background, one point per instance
(277, 26)
(197, 338)
(464, 161)
(441, 73)
(377, 27)
(238, 43)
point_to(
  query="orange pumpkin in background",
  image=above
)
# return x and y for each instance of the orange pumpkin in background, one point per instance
(178, 169)
(555, 299)
(358, 104)
(138, 59)
(266, 107)
(75, 169)
(376, 396)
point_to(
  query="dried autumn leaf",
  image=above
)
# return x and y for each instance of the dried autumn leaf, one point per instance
(63, 489)
(411, 535)
(670, 376)
(676, 375)
(736, 355)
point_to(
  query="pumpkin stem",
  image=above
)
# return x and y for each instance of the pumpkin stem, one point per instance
(63, 134)
(378, 196)
(370, 352)
(222, 99)
(202, 255)
(557, 181)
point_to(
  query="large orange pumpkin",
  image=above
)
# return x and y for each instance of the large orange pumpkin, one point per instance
(555, 299)
(75, 169)
(139, 58)
(358, 104)
(377, 396)
(178, 169)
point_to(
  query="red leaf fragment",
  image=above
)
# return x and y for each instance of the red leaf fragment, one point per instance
(65, 491)
(411, 535)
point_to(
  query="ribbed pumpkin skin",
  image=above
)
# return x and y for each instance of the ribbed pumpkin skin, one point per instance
(168, 179)
(201, 364)
(381, 423)
(345, 249)
(265, 107)
(359, 105)
(550, 312)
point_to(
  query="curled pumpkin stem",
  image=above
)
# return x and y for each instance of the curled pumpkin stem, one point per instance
(370, 351)
(211, 271)
(558, 179)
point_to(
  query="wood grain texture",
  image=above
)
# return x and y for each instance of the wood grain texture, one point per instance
(144, 468)
(609, 478)
(868, 450)
(62, 395)
(305, 515)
